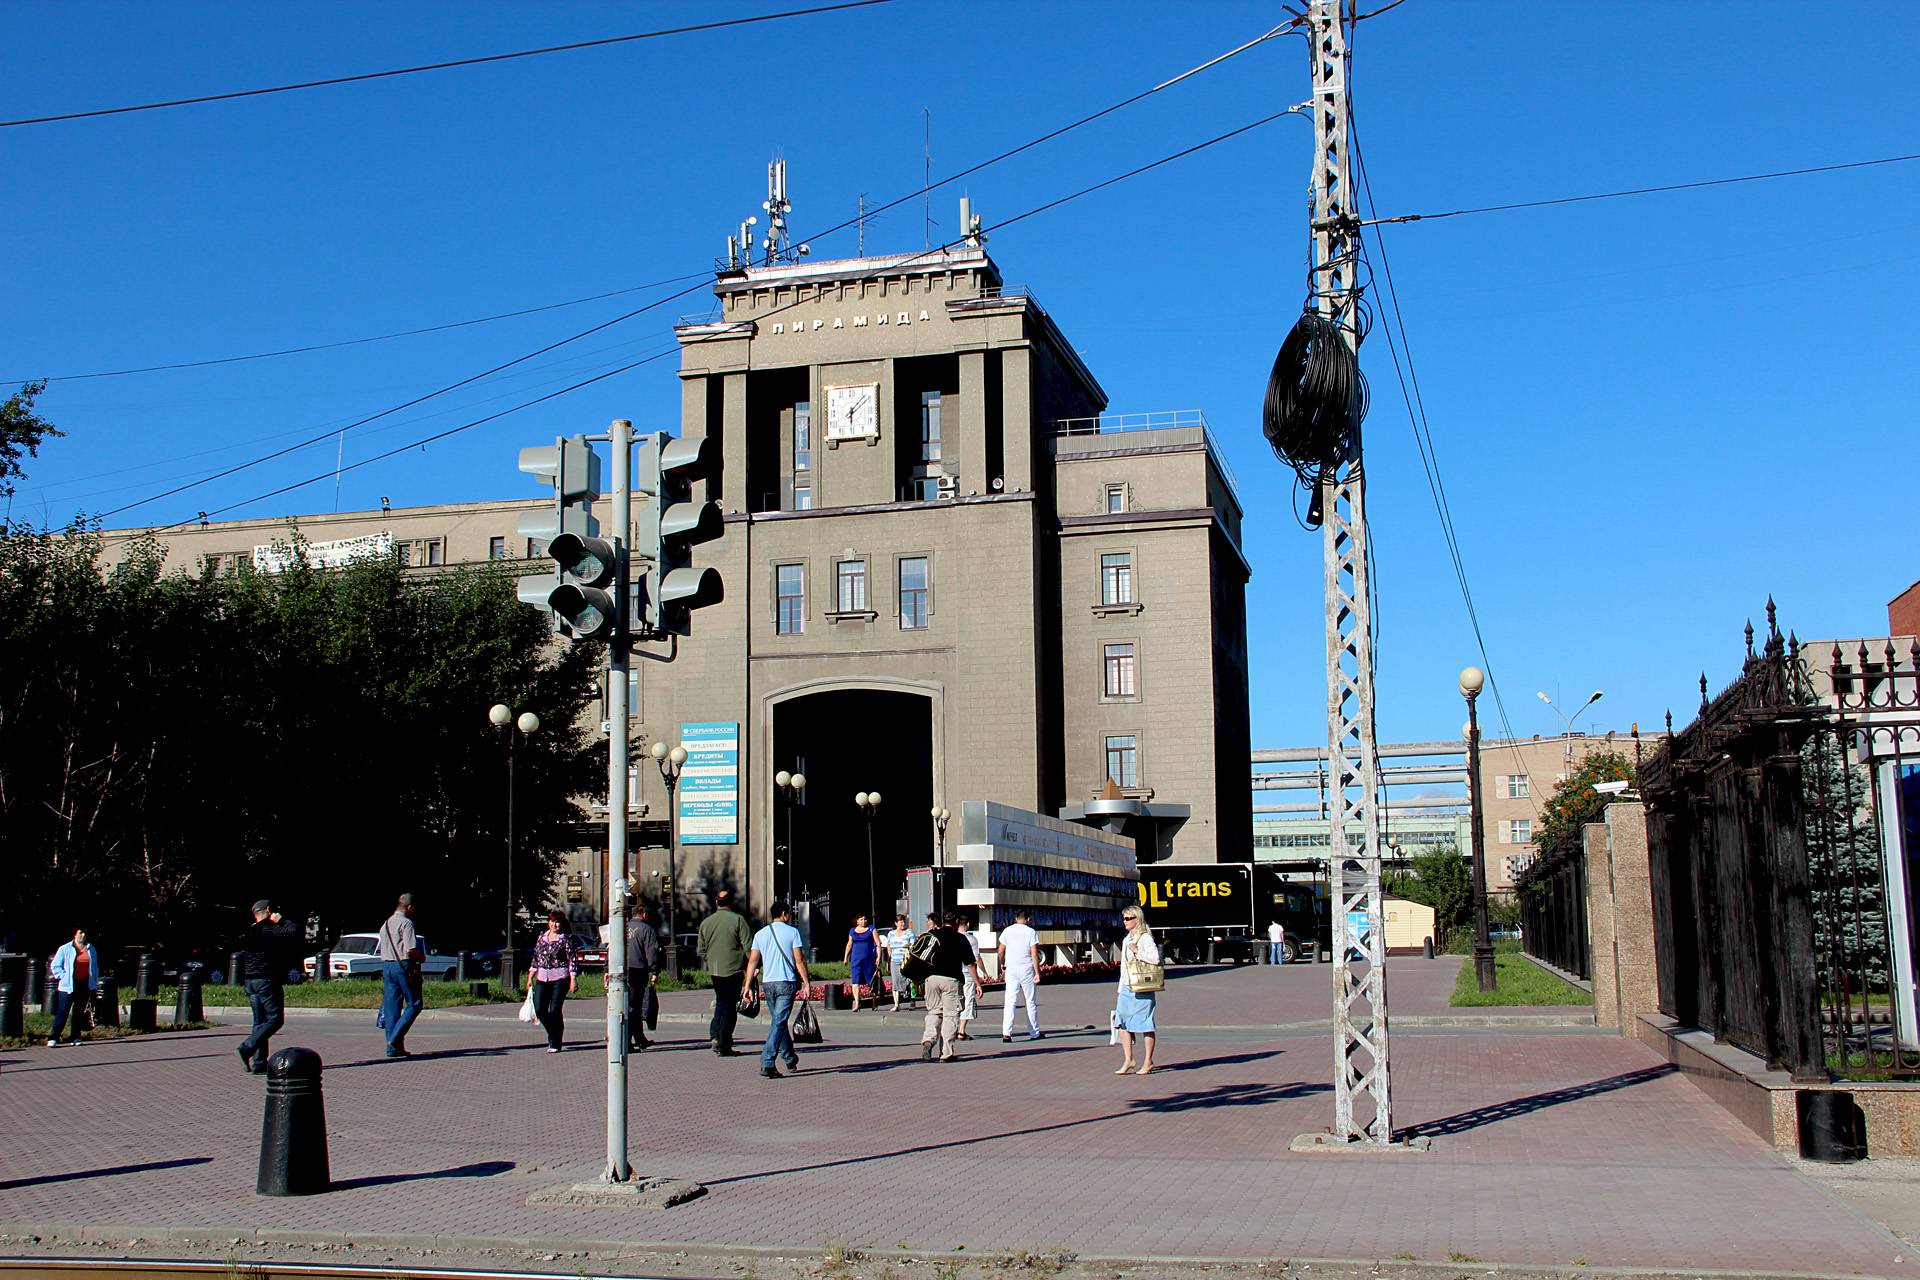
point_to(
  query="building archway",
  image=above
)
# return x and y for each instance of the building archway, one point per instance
(847, 741)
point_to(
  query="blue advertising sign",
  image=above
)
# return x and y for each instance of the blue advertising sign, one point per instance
(709, 795)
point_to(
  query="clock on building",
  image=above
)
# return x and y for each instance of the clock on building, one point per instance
(853, 413)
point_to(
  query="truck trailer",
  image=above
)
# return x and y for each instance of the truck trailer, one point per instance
(1218, 912)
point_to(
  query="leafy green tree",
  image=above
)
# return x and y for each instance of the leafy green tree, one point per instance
(1575, 801)
(1441, 878)
(21, 431)
(174, 746)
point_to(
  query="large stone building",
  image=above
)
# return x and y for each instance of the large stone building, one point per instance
(948, 578)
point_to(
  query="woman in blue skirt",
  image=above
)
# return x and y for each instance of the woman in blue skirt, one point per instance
(1133, 1015)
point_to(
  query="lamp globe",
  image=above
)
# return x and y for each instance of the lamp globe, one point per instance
(500, 714)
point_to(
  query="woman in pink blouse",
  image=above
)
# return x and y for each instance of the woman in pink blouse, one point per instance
(556, 975)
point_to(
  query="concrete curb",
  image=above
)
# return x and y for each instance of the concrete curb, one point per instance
(71, 1234)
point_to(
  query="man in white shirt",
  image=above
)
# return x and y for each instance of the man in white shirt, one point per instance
(1020, 968)
(1277, 936)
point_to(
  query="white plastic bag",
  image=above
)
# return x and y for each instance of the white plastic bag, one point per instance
(526, 1006)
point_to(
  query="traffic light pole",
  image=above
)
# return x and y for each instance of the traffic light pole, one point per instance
(621, 435)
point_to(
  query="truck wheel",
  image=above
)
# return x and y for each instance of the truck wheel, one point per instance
(1289, 951)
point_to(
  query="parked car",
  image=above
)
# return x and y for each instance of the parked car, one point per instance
(590, 953)
(357, 955)
(209, 964)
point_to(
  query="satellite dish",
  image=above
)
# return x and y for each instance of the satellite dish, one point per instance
(805, 250)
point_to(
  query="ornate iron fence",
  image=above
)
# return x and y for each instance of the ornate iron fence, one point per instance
(1553, 907)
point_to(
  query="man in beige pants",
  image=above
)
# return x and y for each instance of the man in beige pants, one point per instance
(950, 958)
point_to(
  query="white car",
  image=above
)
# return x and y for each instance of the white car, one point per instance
(357, 955)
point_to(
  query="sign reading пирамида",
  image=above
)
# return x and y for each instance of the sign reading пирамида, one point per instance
(709, 795)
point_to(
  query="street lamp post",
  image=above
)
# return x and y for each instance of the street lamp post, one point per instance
(788, 786)
(1566, 726)
(1471, 680)
(502, 718)
(670, 759)
(940, 817)
(869, 802)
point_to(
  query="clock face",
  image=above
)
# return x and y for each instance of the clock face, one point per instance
(853, 413)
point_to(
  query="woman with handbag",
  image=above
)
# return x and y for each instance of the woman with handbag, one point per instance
(1141, 976)
(556, 974)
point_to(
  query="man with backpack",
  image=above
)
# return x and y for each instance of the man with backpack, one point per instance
(940, 959)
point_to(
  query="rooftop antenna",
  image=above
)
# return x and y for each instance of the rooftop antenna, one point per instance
(863, 224)
(778, 206)
(926, 192)
(970, 224)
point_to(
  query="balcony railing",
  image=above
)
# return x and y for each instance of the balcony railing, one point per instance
(1113, 423)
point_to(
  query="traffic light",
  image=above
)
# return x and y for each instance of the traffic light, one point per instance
(672, 526)
(584, 588)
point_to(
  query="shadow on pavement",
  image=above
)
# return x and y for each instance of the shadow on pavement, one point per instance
(431, 1055)
(114, 1062)
(105, 1173)
(1499, 1111)
(482, 1169)
(1232, 1095)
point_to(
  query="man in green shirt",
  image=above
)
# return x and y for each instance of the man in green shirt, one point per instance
(725, 940)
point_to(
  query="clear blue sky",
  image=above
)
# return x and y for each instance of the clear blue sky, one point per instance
(1651, 413)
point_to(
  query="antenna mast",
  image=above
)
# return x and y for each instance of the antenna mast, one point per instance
(1359, 952)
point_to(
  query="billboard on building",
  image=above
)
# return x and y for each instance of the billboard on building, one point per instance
(709, 795)
(1074, 879)
(278, 557)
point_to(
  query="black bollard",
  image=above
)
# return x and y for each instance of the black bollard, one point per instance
(322, 965)
(1426, 949)
(187, 1007)
(106, 1004)
(13, 1013)
(143, 1015)
(293, 1134)
(1830, 1128)
(466, 967)
(147, 980)
(37, 983)
(1319, 951)
(235, 975)
(49, 994)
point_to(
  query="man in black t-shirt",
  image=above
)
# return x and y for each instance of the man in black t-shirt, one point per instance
(266, 953)
(951, 958)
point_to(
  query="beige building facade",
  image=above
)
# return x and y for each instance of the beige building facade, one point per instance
(948, 577)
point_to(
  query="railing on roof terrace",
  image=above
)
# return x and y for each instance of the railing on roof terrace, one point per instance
(990, 291)
(1110, 423)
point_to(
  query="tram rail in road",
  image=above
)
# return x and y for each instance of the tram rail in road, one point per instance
(238, 1269)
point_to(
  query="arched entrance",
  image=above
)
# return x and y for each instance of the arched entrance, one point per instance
(847, 741)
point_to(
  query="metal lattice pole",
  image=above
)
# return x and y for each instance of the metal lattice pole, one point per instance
(1359, 954)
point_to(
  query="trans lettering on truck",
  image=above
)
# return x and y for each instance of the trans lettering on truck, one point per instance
(1160, 893)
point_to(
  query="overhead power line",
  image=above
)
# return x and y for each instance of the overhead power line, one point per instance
(1641, 191)
(451, 431)
(443, 66)
(381, 337)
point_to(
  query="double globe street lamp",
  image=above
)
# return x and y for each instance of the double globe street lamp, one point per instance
(670, 759)
(1471, 681)
(787, 786)
(513, 729)
(940, 817)
(869, 802)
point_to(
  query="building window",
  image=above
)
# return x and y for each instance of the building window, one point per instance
(850, 585)
(436, 550)
(803, 497)
(1517, 786)
(913, 593)
(496, 548)
(927, 490)
(1116, 578)
(533, 549)
(790, 594)
(405, 551)
(1120, 682)
(1116, 498)
(1517, 831)
(929, 426)
(803, 437)
(1123, 760)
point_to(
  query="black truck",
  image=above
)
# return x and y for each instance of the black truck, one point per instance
(1218, 912)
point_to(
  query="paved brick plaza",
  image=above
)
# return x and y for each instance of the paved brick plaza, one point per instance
(1551, 1146)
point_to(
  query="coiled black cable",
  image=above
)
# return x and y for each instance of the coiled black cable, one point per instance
(1316, 400)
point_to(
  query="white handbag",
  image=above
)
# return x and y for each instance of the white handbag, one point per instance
(526, 1006)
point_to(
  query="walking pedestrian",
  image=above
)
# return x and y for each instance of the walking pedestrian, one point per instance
(950, 957)
(897, 943)
(1020, 971)
(1133, 1014)
(266, 954)
(1277, 939)
(400, 958)
(775, 957)
(643, 970)
(863, 957)
(975, 976)
(556, 975)
(76, 975)
(725, 941)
